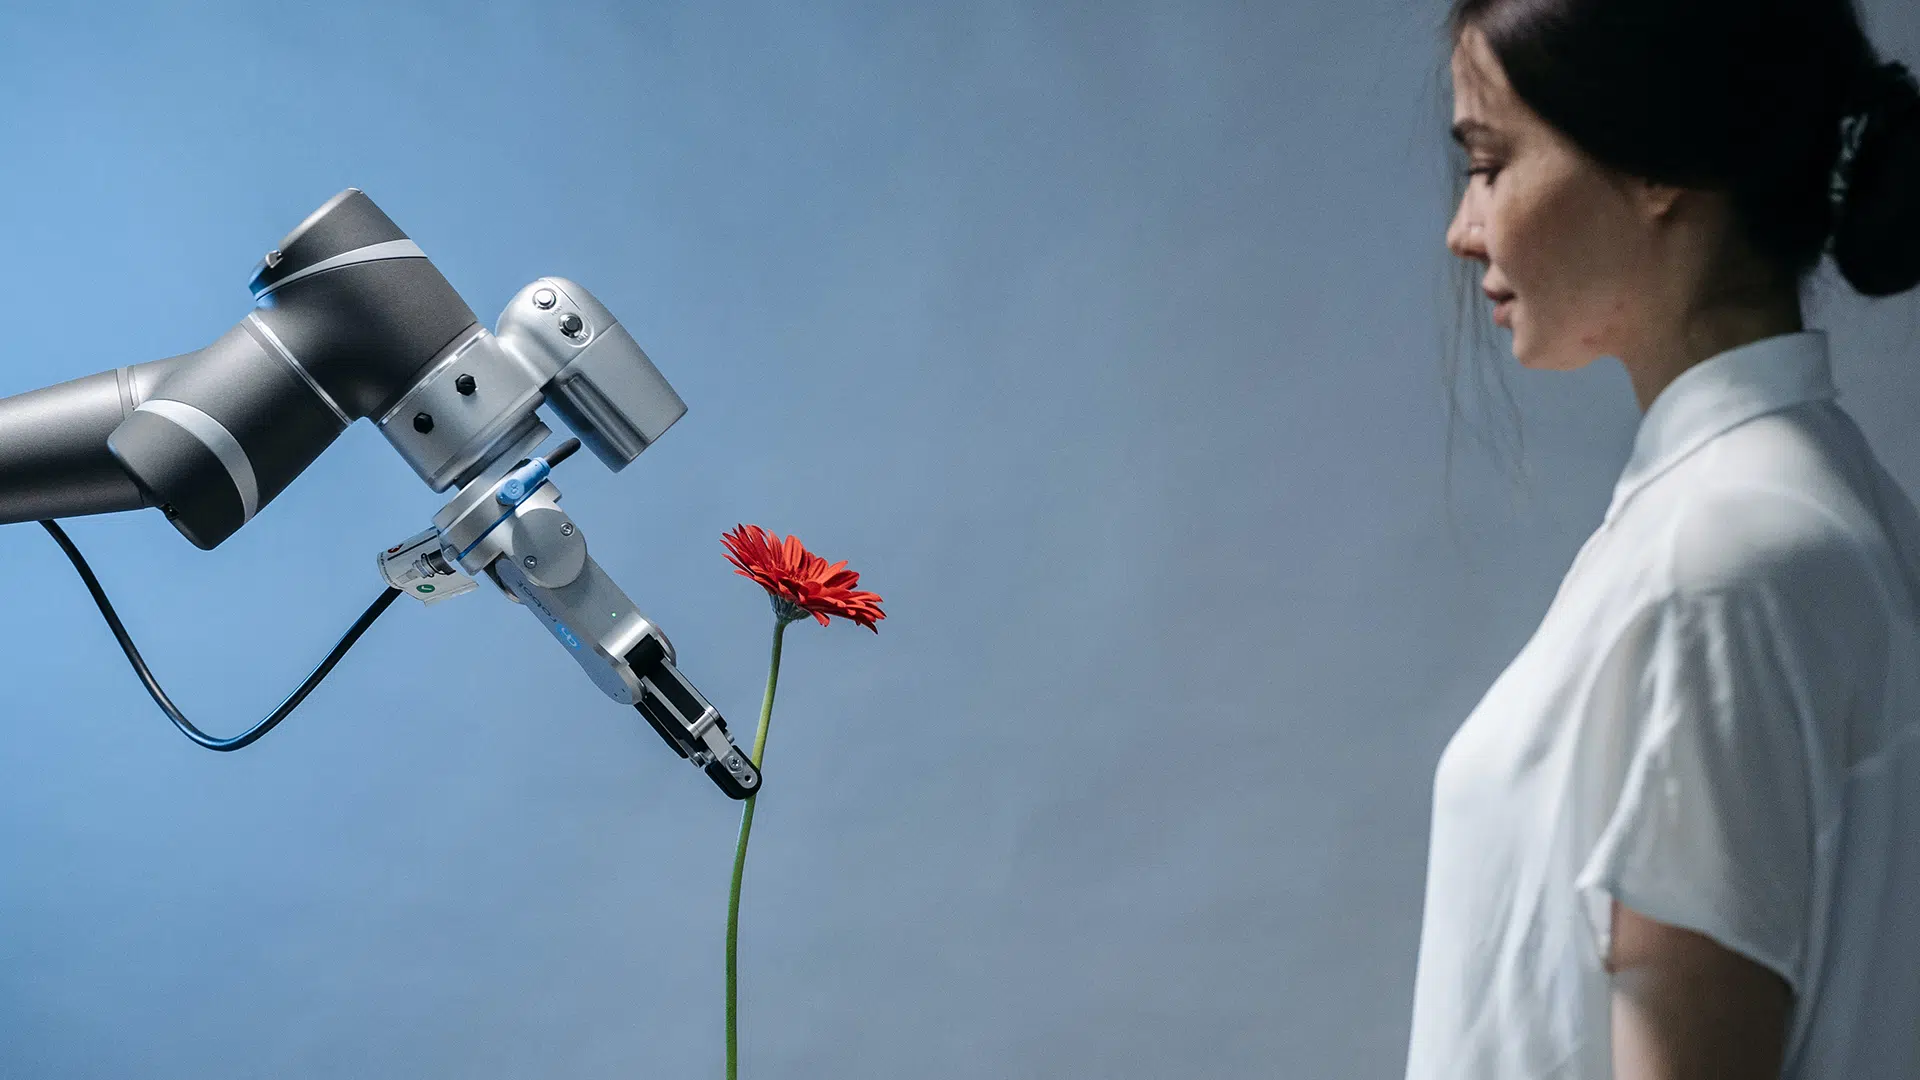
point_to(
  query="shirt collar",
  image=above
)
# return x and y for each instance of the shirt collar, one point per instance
(1719, 392)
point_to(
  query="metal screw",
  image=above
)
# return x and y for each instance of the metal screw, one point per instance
(423, 423)
(733, 761)
(464, 384)
(531, 561)
(566, 528)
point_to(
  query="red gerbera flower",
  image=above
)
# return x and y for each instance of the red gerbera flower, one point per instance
(800, 582)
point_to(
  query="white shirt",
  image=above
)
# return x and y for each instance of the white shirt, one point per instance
(1717, 722)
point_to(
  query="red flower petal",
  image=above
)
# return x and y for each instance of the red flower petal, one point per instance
(786, 569)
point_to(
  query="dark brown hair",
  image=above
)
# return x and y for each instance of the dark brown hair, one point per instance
(1738, 96)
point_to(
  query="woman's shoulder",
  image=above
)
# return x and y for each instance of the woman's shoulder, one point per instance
(1772, 505)
(1735, 537)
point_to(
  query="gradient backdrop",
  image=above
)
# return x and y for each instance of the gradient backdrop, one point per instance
(1106, 345)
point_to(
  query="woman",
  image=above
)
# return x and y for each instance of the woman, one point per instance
(1680, 836)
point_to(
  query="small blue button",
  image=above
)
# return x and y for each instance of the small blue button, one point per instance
(521, 483)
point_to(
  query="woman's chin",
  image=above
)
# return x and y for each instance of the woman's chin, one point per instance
(1563, 359)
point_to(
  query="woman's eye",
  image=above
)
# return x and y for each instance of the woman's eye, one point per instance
(1489, 171)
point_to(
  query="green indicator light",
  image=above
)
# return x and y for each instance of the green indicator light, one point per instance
(424, 588)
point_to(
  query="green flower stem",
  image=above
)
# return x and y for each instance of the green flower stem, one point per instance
(740, 861)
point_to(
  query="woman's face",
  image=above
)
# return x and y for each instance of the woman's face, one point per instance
(1552, 228)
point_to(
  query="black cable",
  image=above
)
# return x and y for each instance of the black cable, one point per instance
(562, 452)
(160, 696)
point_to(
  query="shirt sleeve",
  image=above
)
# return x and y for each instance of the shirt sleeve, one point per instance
(1711, 828)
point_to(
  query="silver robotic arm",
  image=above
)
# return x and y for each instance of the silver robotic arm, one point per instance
(351, 320)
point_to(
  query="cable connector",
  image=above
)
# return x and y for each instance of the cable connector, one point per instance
(417, 566)
(527, 477)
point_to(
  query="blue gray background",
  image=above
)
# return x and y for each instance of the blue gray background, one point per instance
(1105, 342)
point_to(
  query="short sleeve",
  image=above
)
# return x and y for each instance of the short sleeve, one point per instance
(1711, 828)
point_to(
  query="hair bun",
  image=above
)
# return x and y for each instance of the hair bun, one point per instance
(1876, 240)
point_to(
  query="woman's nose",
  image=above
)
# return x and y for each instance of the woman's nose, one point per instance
(1464, 239)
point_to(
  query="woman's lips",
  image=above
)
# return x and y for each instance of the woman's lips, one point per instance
(1503, 311)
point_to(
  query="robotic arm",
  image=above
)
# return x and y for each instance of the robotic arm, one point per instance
(352, 320)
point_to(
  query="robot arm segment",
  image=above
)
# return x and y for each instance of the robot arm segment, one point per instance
(352, 320)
